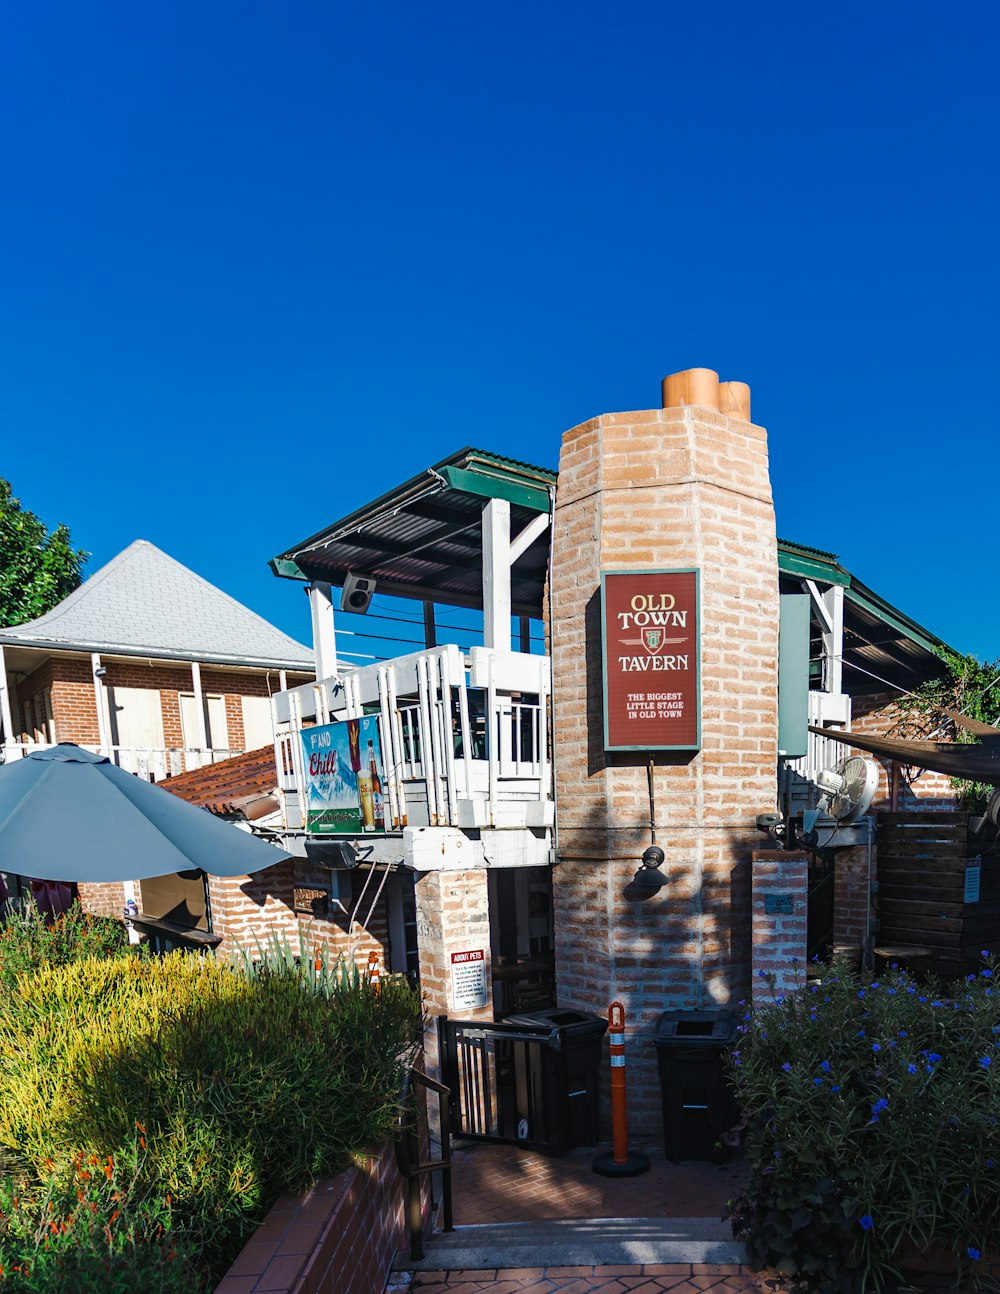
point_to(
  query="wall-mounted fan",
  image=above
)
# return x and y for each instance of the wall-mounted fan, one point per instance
(848, 788)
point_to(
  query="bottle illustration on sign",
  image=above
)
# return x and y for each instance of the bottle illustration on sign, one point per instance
(378, 802)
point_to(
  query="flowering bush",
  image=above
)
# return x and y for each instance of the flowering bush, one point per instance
(90, 1226)
(28, 941)
(872, 1126)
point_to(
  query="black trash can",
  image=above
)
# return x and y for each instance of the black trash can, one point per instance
(556, 1078)
(698, 1105)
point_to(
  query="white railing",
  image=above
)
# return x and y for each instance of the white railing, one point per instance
(459, 736)
(151, 763)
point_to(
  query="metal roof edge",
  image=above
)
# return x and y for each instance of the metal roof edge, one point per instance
(810, 563)
(7, 639)
(876, 605)
(473, 471)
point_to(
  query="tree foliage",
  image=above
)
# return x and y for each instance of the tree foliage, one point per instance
(972, 688)
(38, 567)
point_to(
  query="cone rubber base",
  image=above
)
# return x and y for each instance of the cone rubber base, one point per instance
(635, 1164)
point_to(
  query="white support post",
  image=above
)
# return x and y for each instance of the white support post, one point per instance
(5, 713)
(496, 575)
(537, 526)
(199, 706)
(829, 607)
(323, 631)
(833, 640)
(103, 736)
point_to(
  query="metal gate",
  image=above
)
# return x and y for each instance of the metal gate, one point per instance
(501, 1081)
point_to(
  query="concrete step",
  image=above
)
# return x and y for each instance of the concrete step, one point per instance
(580, 1242)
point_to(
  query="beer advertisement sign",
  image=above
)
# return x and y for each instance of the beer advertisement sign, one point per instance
(652, 668)
(344, 778)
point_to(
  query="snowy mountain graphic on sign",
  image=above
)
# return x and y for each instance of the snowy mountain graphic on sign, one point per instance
(336, 788)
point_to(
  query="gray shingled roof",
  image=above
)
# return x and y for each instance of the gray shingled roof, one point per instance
(143, 603)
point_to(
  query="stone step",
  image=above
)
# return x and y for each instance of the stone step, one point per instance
(579, 1242)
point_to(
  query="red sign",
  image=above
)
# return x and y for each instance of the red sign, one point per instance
(652, 671)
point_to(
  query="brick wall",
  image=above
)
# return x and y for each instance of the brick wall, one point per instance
(915, 788)
(340, 1237)
(672, 488)
(247, 910)
(105, 899)
(781, 884)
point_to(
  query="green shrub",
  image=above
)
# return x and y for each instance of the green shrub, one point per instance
(28, 941)
(245, 1086)
(872, 1127)
(92, 1227)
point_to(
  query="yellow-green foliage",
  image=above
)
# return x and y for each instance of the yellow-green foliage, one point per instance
(243, 1086)
(64, 1021)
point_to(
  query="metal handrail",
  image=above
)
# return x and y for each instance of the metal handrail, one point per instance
(408, 1158)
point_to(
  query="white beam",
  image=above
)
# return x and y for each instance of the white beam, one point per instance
(199, 706)
(103, 735)
(819, 605)
(535, 527)
(833, 639)
(5, 714)
(496, 575)
(323, 631)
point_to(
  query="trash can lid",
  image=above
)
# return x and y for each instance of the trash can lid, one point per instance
(560, 1017)
(687, 1026)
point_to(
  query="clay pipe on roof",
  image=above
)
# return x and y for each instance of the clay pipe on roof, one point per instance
(701, 386)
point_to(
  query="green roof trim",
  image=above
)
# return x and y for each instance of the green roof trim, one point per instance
(815, 564)
(487, 485)
(868, 600)
(810, 564)
(283, 566)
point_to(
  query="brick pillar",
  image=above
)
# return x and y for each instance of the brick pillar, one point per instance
(453, 916)
(673, 488)
(851, 897)
(780, 896)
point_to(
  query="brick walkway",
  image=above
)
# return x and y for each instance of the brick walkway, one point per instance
(504, 1184)
(497, 1184)
(651, 1279)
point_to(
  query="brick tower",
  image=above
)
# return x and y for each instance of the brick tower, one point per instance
(678, 488)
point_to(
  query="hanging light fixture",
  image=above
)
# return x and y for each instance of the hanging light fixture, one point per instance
(648, 880)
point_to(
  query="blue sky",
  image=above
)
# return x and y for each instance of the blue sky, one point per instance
(262, 262)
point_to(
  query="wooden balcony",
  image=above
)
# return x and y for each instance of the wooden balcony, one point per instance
(463, 741)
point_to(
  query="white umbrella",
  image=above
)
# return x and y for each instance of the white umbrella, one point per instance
(69, 815)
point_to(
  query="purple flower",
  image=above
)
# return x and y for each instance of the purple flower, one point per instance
(835, 1088)
(986, 1061)
(787, 1067)
(911, 1069)
(867, 1221)
(973, 1253)
(817, 1082)
(876, 1046)
(825, 1066)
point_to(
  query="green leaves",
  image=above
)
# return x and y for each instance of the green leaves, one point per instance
(37, 568)
(873, 1108)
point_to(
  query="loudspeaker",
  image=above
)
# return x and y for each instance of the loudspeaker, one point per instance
(357, 593)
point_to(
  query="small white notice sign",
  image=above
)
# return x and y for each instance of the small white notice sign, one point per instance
(468, 980)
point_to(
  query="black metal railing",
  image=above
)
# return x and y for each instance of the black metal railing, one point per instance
(409, 1162)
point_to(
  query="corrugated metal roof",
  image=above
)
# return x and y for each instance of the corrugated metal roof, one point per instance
(144, 603)
(423, 539)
